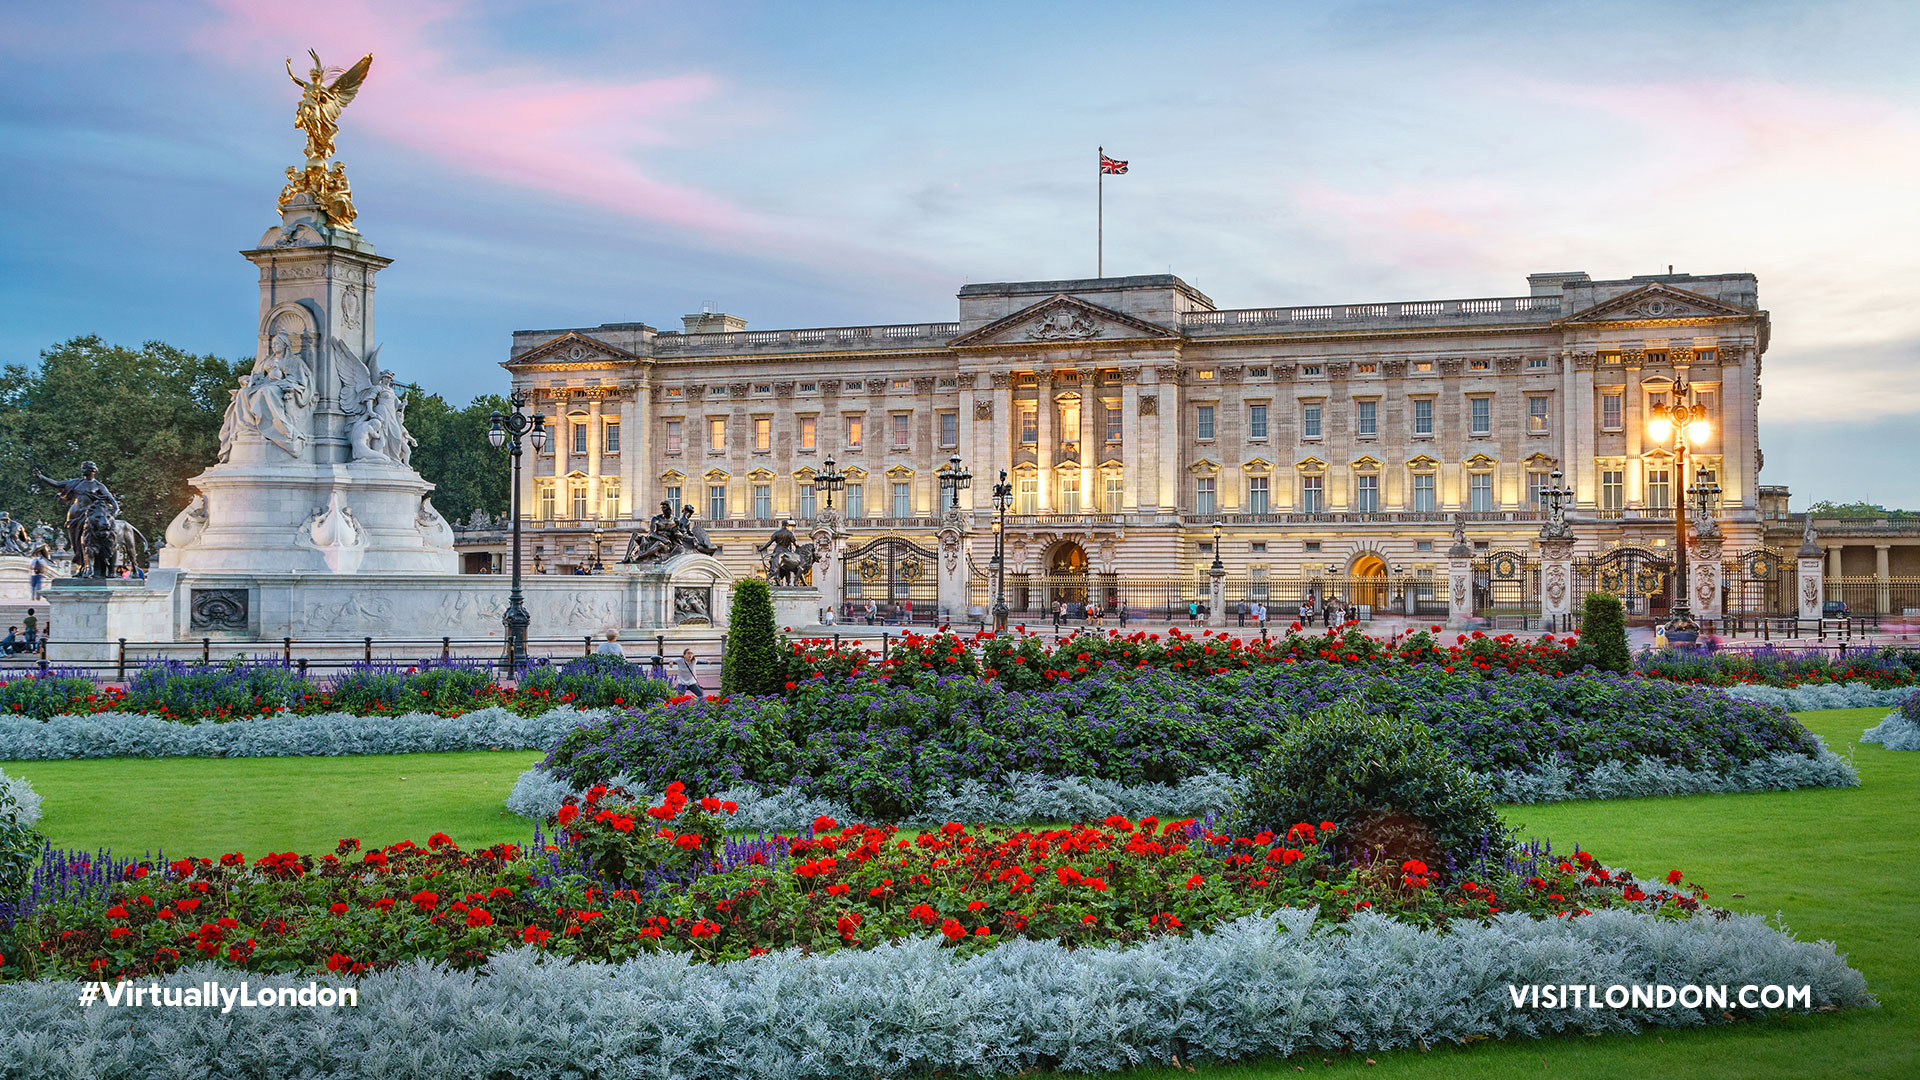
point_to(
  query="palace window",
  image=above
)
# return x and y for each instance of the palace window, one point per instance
(1366, 496)
(1256, 421)
(577, 495)
(763, 433)
(1423, 498)
(1706, 400)
(548, 511)
(809, 432)
(716, 433)
(1610, 412)
(1027, 499)
(1536, 363)
(1613, 489)
(805, 500)
(1115, 423)
(1313, 494)
(1366, 368)
(809, 387)
(1029, 425)
(763, 388)
(716, 502)
(902, 499)
(763, 501)
(1479, 365)
(1423, 545)
(1537, 415)
(1423, 416)
(1259, 547)
(949, 429)
(1366, 419)
(579, 438)
(1203, 422)
(1536, 484)
(1115, 494)
(1423, 367)
(1480, 492)
(1257, 579)
(1481, 416)
(1423, 578)
(1256, 494)
(1070, 422)
(856, 426)
(903, 384)
(610, 437)
(1257, 372)
(902, 430)
(1070, 493)
(856, 500)
(1659, 489)
(610, 498)
(1203, 495)
(1309, 369)
(673, 436)
(1311, 547)
(1310, 421)
(673, 497)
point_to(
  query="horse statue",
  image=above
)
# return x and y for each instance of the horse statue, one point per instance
(128, 545)
(792, 566)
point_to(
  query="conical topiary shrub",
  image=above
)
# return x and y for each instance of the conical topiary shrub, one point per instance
(752, 661)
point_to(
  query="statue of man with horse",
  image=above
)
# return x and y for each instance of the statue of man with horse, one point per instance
(788, 562)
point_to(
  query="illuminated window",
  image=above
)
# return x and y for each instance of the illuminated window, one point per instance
(1537, 415)
(1027, 499)
(854, 426)
(716, 433)
(762, 433)
(1070, 493)
(809, 432)
(902, 431)
(673, 436)
(1029, 425)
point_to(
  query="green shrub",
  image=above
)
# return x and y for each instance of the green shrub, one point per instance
(1359, 771)
(1603, 635)
(752, 663)
(20, 845)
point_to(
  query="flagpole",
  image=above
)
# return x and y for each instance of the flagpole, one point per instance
(1100, 218)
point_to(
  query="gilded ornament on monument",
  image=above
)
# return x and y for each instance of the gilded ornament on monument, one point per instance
(318, 114)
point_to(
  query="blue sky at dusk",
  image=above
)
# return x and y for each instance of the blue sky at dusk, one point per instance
(546, 165)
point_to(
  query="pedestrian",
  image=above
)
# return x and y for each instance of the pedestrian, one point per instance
(1123, 614)
(1059, 615)
(1242, 612)
(1193, 612)
(1326, 614)
(11, 643)
(37, 571)
(1260, 614)
(873, 611)
(907, 612)
(33, 628)
(685, 680)
(611, 645)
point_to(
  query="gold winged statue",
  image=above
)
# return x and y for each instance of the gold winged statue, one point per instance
(318, 114)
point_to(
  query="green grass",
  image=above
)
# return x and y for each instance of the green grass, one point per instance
(1835, 864)
(210, 806)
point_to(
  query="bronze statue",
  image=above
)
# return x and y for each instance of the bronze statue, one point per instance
(788, 562)
(668, 535)
(91, 510)
(13, 535)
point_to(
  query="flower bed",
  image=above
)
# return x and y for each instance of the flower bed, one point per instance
(1783, 668)
(886, 749)
(953, 951)
(239, 689)
(107, 735)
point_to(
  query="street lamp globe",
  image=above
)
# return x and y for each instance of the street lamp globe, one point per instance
(496, 433)
(539, 434)
(1698, 428)
(1659, 425)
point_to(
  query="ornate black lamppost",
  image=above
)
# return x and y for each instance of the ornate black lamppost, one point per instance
(1685, 422)
(1002, 495)
(955, 479)
(597, 565)
(829, 480)
(501, 428)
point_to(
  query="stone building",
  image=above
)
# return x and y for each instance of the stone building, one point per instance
(1334, 444)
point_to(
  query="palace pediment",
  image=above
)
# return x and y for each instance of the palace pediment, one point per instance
(1657, 302)
(571, 348)
(1063, 320)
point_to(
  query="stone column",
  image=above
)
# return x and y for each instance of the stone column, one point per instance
(636, 454)
(1168, 409)
(1459, 583)
(1882, 587)
(1556, 582)
(1833, 560)
(827, 576)
(953, 567)
(1089, 442)
(1130, 448)
(1217, 594)
(1705, 576)
(1043, 452)
(529, 465)
(1006, 435)
(1812, 584)
(595, 446)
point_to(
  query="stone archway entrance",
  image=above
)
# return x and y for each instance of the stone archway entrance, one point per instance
(1368, 583)
(1066, 576)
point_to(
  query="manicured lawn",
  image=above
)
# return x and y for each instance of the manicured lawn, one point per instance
(1835, 864)
(209, 806)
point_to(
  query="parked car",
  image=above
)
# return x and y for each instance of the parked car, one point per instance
(1835, 609)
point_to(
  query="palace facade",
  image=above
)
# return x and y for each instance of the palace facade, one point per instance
(1335, 445)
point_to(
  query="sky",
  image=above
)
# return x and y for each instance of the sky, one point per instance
(540, 165)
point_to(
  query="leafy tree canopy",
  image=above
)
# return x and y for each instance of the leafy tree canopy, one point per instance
(1827, 509)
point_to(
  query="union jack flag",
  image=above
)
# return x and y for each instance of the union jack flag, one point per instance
(1112, 166)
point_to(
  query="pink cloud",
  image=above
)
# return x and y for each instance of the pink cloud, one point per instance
(508, 122)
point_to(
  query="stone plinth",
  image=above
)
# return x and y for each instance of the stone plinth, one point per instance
(1459, 592)
(1556, 582)
(1705, 575)
(347, 518)
(796, 607)
(1812, 590)
(15, 574)
(1217, 597)
(87, 617)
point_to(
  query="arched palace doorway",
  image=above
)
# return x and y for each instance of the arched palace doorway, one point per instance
(1066, 580)
(1368, 583)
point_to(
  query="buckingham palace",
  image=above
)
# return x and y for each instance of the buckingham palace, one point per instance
(1330, 448)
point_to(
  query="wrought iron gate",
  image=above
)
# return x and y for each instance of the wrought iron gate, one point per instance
(1760, 582)
(1639, 576)
(892, 572)
(1506, 583)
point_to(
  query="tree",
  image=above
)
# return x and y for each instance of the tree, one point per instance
(1603, 634)
(150, 418)
(453, 454)
(752, 661)
(1852, 510)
